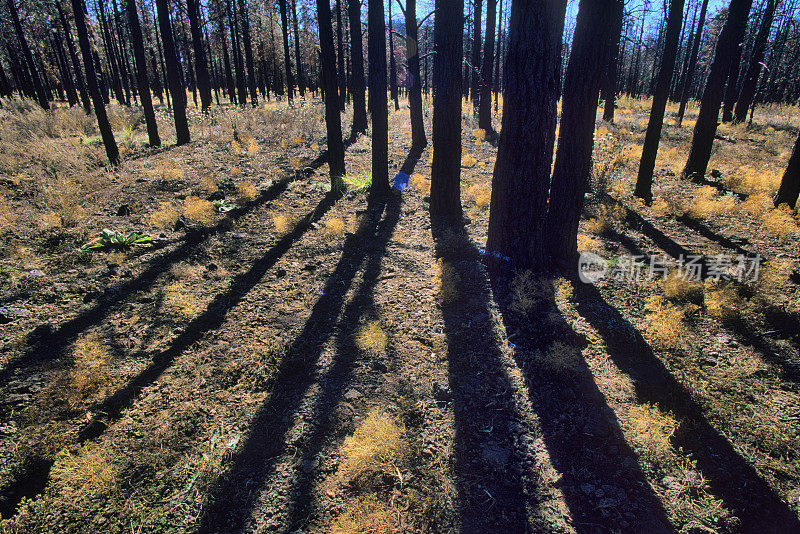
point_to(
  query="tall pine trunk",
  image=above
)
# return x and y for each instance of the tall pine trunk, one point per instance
(447, 91)
(392, 64)
(36, 80)
(341, 80)
(475, 60)
(358, 88)
(200, 64)
(576, 134)
(79, 9)
(521, 178)
(790, 184)
(418, 139)
(706, 127)
(297, 59)
(76, 67)
(687, 79)
(141, 74)
(644, 180)
(485, 106)
(376, 49)
(287, 62)
(244, 15)
(609, 90)
(176, 89)
(754, 66)
(333, 120)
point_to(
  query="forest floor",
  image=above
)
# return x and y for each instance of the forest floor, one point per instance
(282, 361)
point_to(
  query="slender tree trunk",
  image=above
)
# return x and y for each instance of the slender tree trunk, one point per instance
(123, 58)
(687, 80)
(447, 91)
(475, 60)
(497, 56)
(173, 74)
(226, 63)
(69, 81)
(675, 94)
(287, 62)
(418, 139)
(754, 66)
(521, 178)
(200, 64)
(87, 106)
(141, 74)
(706, 126)
(731, 89)
(79, 9)
(644, 180)
(298, 59)
(111, 56)
(341, 80)
(333, 120)
(575, 142)
(238, 60)
(790, 184)
(610, 71)
(485, 106)
(38, 87)
(376, 49)
(392, 64)
(244, 13)
(358, 88)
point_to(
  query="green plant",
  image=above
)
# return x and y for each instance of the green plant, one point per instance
(114, 239)
(358, 182)
(224, 206)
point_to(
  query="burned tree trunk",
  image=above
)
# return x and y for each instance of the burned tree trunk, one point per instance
(36, 79)
(141, 74)
(176, 89)
(376, 49)
(333, 120)
(687, 80)
(287, 62)
(790, 183)
(358, 88)
(200, 64)
(610, 73)
(485, 106)
(754, 66)
(418, 139)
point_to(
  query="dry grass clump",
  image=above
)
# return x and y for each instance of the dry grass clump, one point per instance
(180, 300)
(708, 203)
(371, 338)
(83, 474)
(246, 191)
(605, 215)
(446, 282)
(7, 217)
(651, 430)
(90, 375)
(198, 210)
(167, 171)
(335, 227)
(165, 216)
(780, 222)
(252, 148)
(366, 515)
(665, 321)
(480, 194)
(421, 184)
(757, 204)
(65, 198)
(723, 302)
(561, 357)
(284, 224)
(208, 184)
(468, 161)
(530, 293)
(672, 159)
(376, 449)
(679, 287)
(587, 243)
(747, 179)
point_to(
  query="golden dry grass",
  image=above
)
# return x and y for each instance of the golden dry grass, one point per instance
(780, 222)
(651, 430)
(480, 194)
(678, 286)
(707, 202)
(86, 473)
(165, 216)
(722, 301)
(199, 210)
(421, 184)
(468, 160)
(446, 282)
(377, 448)
(246, 191)
(371, 338)
(665, 322)
(179, 299)
(335, 227)
(530, 293)
(90, 374)
(365, 515)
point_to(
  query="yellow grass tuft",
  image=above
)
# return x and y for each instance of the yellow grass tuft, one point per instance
(604, 218)
(371, 338)
(652, 430)
(199, 210)
(757, 204)
(529, 293)
(252, 148)
(480, 194)
(780, 222)
(708, 203)
(208, 184)
(283, 223)
(366, 515)
(180, 300)
(421, 184)
(236, 147)
(722, 301)
(677, 286)
(665, 321)
(446, 282)
(246, 191)
(376, 449)
(84, 474)
(586, 243)
(235, 171)
(165, 216)
(479, 133)
(167, 171)
(90, 374)
(335, 227)
(468, 160)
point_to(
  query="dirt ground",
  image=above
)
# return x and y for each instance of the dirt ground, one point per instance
(284, 361)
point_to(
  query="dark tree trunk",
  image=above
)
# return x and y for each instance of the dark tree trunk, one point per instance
(731, 89)
(790, 183)
(68, 80)
(36, 79)
(127, 85)
(341, 80)
(475, 60)
(161, 65)
(418, 139)
(333, 120)
(644, 180)
(497, 56)
(158, 87)
(87, 106)
(238, 61)
(79, 9)
(287, 62)
(521, 177)
(575, 141)
(376, 49)
(392, 65)
(358, 88)
(687, 80)
(105, 91)
(298, 60)
(111, 56)
(141, 74)
(200, 64)
(754, 67)
(674, 95)
(609, 90)
(173, 74)
(447, 91)
(485, 106)
(244, 15)
(62, 74)
(226, 63)
(706, 126)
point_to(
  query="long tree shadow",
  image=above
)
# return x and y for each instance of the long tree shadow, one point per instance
(232, 499)
(730, 477)
(337, 378)
(601, 478)
(46, 343)
(495, 491)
